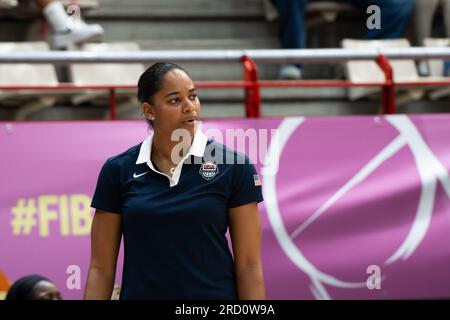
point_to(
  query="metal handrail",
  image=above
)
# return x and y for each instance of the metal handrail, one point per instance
(248, 58)
(272, 56)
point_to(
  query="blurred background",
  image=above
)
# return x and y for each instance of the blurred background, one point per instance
(153, 25)
(257, 63)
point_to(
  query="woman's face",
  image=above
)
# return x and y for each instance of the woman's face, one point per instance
(44, 290)
(175, 105)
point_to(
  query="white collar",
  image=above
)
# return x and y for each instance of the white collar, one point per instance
(197, 149)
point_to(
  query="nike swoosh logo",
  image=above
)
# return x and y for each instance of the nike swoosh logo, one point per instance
(138, 175)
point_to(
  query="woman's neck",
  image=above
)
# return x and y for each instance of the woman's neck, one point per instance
(163, 146)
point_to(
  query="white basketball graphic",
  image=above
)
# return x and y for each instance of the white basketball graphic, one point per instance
(430, 171)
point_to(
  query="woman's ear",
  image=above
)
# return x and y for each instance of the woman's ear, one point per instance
(148, 111)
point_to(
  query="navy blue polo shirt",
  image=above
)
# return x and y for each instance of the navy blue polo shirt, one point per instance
(174, 227)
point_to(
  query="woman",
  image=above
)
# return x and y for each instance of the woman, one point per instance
(173, 202)
(33, 287)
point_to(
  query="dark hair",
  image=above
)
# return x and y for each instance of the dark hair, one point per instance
(23, 288)
(151, 80)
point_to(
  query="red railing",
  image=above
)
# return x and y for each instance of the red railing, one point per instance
(251, 85)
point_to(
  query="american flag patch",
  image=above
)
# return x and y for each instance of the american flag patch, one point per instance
(257, 180)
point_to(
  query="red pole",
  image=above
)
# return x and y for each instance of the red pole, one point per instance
(252, 95)
(112, 103)
(388, 90)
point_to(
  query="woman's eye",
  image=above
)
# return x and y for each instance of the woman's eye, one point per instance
(173, 101)
(193, 97)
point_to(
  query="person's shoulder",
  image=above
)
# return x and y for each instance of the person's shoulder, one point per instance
(125, 158)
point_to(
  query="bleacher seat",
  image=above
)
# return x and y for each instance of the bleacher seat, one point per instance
(107, 74)
(27, 74)
(369, 71)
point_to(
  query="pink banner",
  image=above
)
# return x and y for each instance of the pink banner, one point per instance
(355, 207)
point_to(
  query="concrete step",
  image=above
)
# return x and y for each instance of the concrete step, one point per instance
(144, 29)
(209, 110)
(221, 71)
(208, 43)
(270, 95)
(162, 9)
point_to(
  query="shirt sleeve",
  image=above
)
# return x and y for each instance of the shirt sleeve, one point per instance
(246, 185)
(107, 196)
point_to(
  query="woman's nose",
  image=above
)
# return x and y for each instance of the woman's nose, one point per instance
(188, 106)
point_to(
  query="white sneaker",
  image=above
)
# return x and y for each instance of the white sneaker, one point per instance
(290, 72)
(77, 33)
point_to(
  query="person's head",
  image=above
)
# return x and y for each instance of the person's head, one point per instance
(168, 98)
(33, 287)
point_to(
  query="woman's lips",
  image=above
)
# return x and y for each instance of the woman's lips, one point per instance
(190, 121)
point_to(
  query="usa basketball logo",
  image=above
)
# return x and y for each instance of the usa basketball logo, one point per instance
(208, 170)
